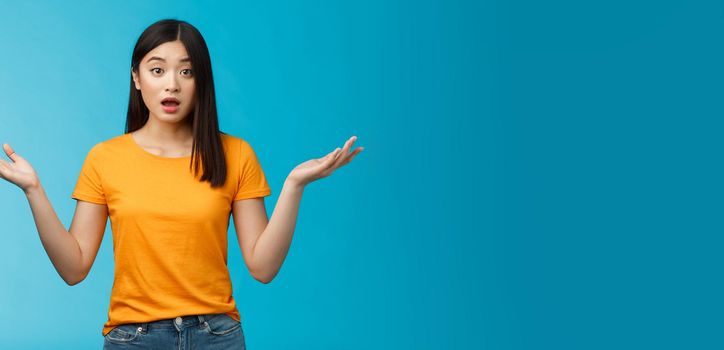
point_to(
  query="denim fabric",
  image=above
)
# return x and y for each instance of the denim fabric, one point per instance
(199, 332)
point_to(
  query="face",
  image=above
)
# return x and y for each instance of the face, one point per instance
(166, 72)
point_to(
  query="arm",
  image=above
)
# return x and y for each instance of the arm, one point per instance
(264, 245)
(72, 253)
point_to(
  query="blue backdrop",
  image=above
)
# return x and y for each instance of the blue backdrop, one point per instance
(536, 174)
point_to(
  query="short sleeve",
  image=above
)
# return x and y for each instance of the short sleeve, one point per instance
(89, 186)
(252, 182)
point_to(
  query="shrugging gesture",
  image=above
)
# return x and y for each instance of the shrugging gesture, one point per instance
(19, 172)
(267, 243)
(318, 168)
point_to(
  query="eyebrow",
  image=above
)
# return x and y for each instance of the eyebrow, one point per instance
(185, 59)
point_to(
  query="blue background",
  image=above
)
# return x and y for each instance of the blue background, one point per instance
(536, 175)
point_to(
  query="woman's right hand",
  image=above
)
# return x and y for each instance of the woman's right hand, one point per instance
(19, 172)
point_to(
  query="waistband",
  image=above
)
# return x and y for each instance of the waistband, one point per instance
(179, 322)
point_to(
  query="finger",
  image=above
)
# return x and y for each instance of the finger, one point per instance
(336, 155)
(330, 154)
(348, 144)
(345, 151)
(354, 153)
(4, 168)
(10, 152)
(333, 157)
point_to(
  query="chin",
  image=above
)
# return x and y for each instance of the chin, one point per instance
(171, 118)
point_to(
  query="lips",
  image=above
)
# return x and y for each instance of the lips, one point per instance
(170, 101)
(170, 104)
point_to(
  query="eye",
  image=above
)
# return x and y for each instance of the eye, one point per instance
(153, 70)
(188, 72)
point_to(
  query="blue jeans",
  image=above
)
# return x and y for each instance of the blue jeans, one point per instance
(207, 332)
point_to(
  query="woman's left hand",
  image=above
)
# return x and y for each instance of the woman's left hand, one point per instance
(318, 168)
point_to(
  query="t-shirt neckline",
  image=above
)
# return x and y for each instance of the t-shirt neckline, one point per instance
(141, 150)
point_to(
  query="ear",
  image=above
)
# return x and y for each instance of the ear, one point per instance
(136, 79)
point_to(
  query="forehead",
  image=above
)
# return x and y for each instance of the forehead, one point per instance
(168, 52)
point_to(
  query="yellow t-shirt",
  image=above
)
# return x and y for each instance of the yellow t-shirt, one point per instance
(169, 229)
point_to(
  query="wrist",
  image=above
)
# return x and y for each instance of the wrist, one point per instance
(293, 184)
(33, 189)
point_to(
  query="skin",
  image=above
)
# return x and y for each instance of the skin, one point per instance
(264, 242)
(166, 134)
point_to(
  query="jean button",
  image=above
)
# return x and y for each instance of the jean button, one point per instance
(178, 321)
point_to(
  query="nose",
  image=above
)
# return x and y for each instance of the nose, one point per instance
(172, 85)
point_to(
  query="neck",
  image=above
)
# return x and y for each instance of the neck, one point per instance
(164, 133)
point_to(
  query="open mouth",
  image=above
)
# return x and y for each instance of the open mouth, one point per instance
(170, 101)
(170, 105)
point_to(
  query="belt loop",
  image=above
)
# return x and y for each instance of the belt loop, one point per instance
(144, 327)
(202, 319)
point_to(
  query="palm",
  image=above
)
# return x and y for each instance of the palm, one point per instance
(318, 168)
(19, 171)
(309, 167)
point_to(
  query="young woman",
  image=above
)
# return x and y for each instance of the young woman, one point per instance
(169, 184)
